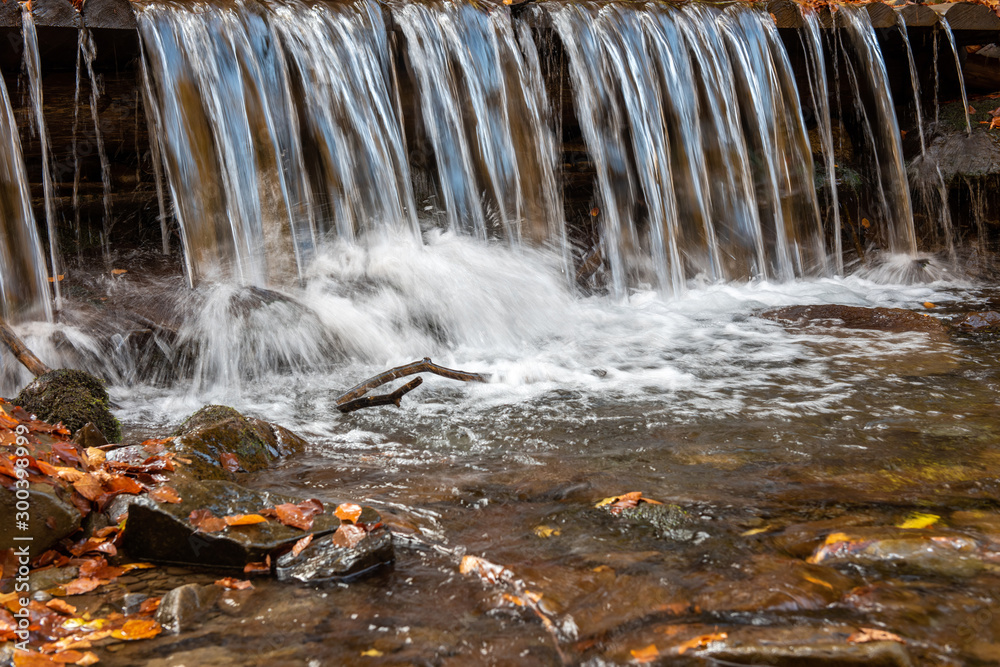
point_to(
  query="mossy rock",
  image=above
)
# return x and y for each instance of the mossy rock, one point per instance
(73, 398)
(215, 431)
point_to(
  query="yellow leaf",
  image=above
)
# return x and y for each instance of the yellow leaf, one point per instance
(602, 568)
(546, 531)
(755, 531)
(919, 520)
(118, 272)
(372, 653)
(137, 566)
(928, 304)
(818, 581)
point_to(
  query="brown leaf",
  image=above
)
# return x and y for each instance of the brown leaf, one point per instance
(61, 606)
(292, 515)
(32, 659)
(122, 484)
(82, 585)
(155, 445)
(229, 462)
(257, 568)
(243, 519)
(205, 521)
(70, 657)
(489, 572)
(348, 512)
(89, 658)
(348, 535)
(149, 605)
(234, 584)
(165, 494)
(89, 487)
(301, 544)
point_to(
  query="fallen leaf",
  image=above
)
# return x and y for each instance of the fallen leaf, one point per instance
(818, 581)
(348, 512)
(546, 531)
(373, 652)
(700, 641)
(70, 657)
(301, 544)
(874, 635)
(257, 568)
(994, 113)
(30, 658)
(234, 584)
(95, 456)
(972, 109)
(122, 484)
(118, 272)
(995, 123)
(89, 658)
(61, 605)
(137, 629)
(484, 569)
(243, 519)
(229, 462)
(919, 520)
(625, 501)
(647, 654)
(205, 521)
(149, 605)
(865, 223)
(165, 494)
(594, 212)
(928, 304)
(348, 535)
(89, 487)
(82, 585)
(755, 531)
(292, 515)
(137, 566)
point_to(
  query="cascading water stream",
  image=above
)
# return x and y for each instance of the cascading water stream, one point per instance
(88, 50)
(870, 81)
(914, 82)
(33, 65)
(958, 69)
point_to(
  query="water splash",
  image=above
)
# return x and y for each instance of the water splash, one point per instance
(33, 65)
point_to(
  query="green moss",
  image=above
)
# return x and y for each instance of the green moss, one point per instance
(73, 398)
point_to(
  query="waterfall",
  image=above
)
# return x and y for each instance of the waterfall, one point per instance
(958, 69)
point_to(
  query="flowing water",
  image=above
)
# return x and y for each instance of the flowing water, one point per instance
(348, 202)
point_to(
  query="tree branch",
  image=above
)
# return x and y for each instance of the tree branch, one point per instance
(423, 366)
(21, 351)
(382, 399)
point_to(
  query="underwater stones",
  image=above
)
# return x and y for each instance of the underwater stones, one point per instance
(182, 607)
(220, 441)
(808, 647)
(932, 552)
(324, 561)
(73, 398)
(53, 518)
(987, 321)
(855, 317)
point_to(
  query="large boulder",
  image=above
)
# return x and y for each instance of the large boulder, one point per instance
(73, 398)
(856, 317)
(220, 441)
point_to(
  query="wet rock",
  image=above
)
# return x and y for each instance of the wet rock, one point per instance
(220, 441)
(162, 532)
(323, 561)
(181, 608)
(869, 654)
(925, 551)
(72, 397)
(987, 321)
(43, 580)
(856, 317)
(51, 517)
(236, 603)
(89, 436)
(801, 539)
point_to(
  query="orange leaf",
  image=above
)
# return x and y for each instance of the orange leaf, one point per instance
(137, 629)
(89, 658)
(149, 605)
(234, 584)
(348, 512)
(205, 521)
(118, 272)
(61, 605)
(165, 494)
(865, 635)
(89, 487)
(122, 484)
(700, 641)
(70, 657)
(243, 519)
(257, 568)
(348, 535)
(647, 654)
(301, 544)
(32, 659)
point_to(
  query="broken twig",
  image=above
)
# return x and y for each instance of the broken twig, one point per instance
(383, 399)
(352, 399)
(21, 351)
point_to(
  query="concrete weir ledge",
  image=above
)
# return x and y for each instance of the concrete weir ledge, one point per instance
(120, 15)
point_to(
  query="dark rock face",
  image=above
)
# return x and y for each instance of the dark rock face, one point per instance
(73, 398)
(53, 517)
(987, 321)
(855, 317)
(215, 434)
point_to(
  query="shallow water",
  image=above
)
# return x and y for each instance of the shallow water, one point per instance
(765, 439)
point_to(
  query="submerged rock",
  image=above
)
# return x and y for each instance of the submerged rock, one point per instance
(73, 398)
(855, 317)
(324, 561)
(182, 607)
(987, 321)
(52, 517)
(220, 441)
(937, 552)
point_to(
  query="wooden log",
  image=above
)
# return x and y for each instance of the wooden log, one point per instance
(112, 14)
(919, 16)
(882, 16)
(967, 16)
(981, 70)
(786, 14)
(21, 351)
(55, 14)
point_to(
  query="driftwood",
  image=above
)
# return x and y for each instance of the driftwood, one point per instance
(21, 351)
(355, 399)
